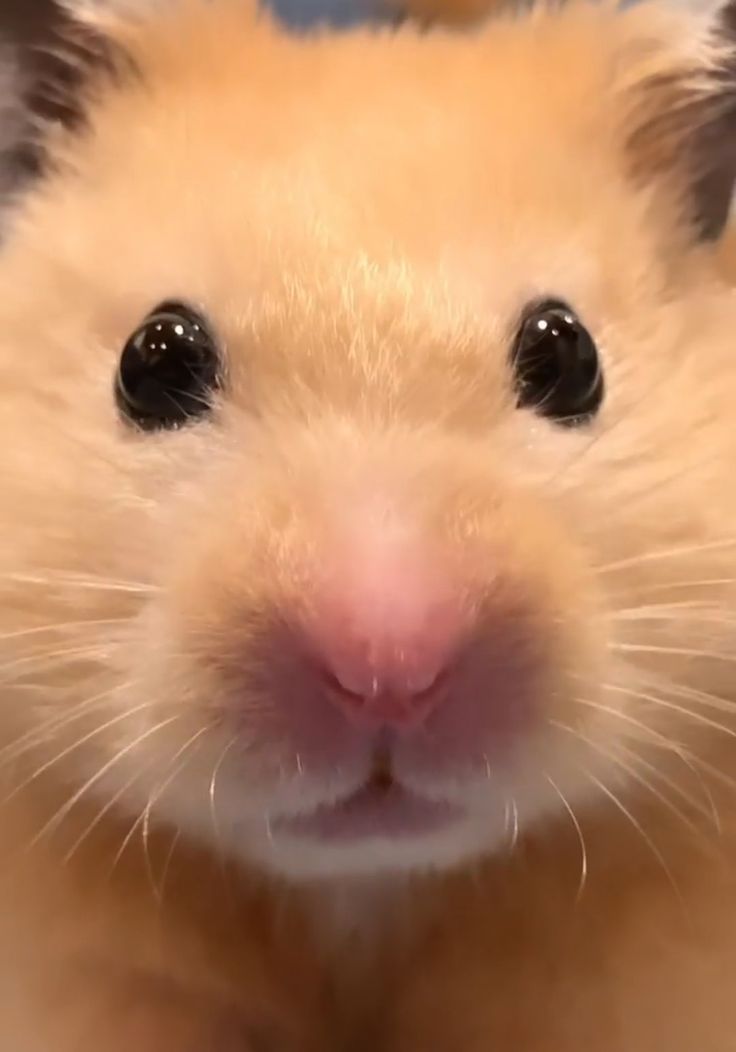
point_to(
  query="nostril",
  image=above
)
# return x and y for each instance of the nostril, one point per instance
(346, 683)
(336, 688)
(385, 698)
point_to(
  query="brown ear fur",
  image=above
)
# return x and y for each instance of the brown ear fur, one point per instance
(678, 76)
(61, 69)
(682, 118)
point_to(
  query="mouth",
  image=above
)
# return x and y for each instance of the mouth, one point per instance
(380, 809)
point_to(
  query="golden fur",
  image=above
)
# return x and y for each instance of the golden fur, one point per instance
(363, 244)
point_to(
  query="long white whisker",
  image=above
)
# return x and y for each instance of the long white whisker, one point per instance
(690, 762)
(644, 589)
(167, 866)
(708, 811)
(178, 762)
(650, 734)
(90, 828)
(640, 830)
(143, 818)
(62, 626)
(633, 773)
(52, 659)
(73, 747)
(583, 851)
(514, 826)
(213, 788)
(666, 553)
(697, 717)
(61, 814)
(645, 648)
(37, 735)
(98, 584)
(680, 690)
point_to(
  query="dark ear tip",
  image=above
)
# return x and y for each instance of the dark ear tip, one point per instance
(715, 142)
(60, 58)
(61, 61)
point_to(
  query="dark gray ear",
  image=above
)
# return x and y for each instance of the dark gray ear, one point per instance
(684, 126)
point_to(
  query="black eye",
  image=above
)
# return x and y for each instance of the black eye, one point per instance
(556, 365)
(168, 369)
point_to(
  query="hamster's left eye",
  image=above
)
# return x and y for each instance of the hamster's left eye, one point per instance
(557, 371)
(168, 370)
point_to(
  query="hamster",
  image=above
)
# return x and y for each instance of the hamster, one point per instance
(367, 565)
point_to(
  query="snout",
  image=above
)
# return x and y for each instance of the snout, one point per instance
(394, 640)
(385, 641)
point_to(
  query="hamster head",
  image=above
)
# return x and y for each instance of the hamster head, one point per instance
(366, 426)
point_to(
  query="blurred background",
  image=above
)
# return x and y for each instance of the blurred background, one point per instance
(24, 20)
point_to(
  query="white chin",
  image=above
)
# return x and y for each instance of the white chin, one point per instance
(305, 858)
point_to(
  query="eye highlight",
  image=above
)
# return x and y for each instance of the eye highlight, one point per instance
(168, 370)
(556, 365)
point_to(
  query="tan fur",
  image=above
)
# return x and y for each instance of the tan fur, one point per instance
(363, 245)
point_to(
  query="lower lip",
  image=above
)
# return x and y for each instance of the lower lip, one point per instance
(372, 813)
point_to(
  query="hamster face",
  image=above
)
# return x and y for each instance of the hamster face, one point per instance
(412, 573)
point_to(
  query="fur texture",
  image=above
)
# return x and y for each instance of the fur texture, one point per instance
(363, 249)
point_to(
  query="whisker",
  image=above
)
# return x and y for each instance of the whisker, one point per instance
(514, 815)
(665, 586)
(640, 830)
(167, 866)
(90, 828)
(54, 822)
(690, 762)
(142, 819)
(697, 717)
(633, 773)
(62, 626)
(178, 762)
(707, 812)
(666, 553)
(646, 648)
(714, 772)
(213, 789)
(583, 851)
(59, 720)
(693, 610)
(73, 747)
(51, 660)
(82, 581)
(650, 733)
(680, 690)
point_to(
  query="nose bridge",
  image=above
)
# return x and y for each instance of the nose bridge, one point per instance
(384, 555)
(380, 341)
(338, 503)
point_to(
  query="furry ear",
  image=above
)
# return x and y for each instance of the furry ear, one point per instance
(680, 115)
(73, 52)
(13, 122)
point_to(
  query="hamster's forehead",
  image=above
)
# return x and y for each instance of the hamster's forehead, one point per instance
(238, 156)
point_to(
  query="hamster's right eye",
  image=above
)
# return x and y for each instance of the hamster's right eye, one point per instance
(168, 370)
(556, 365)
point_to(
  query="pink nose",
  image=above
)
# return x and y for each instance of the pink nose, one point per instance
(385, 639)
